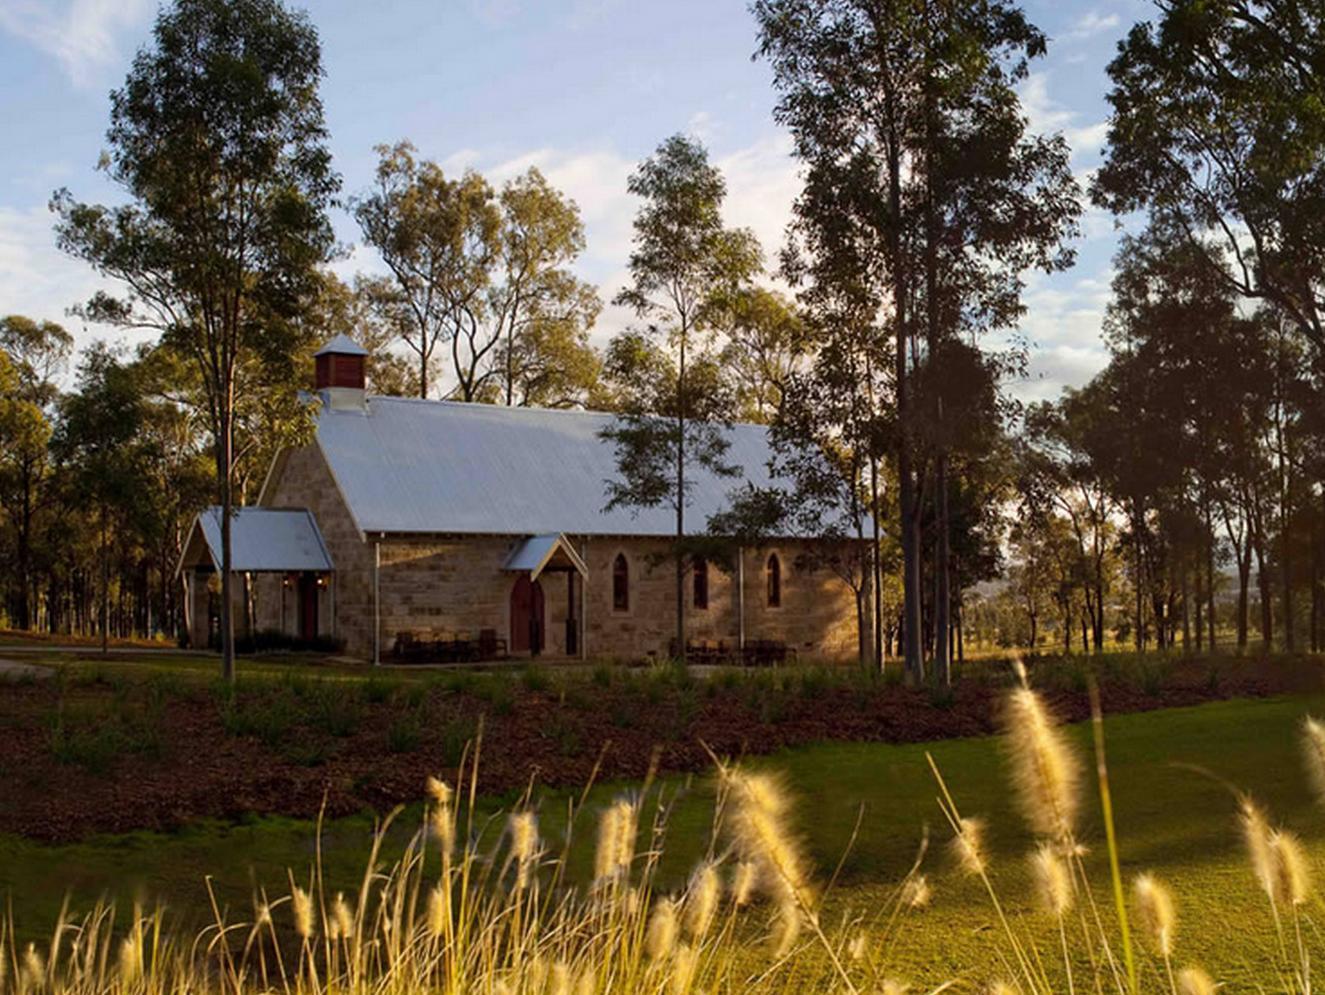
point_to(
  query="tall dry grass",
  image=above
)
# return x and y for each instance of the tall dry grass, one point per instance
(475, 906)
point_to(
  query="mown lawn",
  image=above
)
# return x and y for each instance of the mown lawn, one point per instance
(1171, 819)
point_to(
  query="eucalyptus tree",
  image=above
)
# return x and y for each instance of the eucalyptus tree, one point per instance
(38, 352)
(684, 267)
(1216, 133)
(218, 139)
(98, 444)
(923, 189)
(482, 275)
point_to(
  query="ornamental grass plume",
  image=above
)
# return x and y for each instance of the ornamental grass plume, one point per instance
(916, 892)
(685, 965)
(617, 827)
(524, 844)
(745, 879)
(302, 905)
(1194, 981)
(1053, 880)
(1313, 753)
(764, 839)
(968, 846)
(1156, 912)
(1256, 836)
(1292, 870)
(702, 898)
(436, 915)
(342, 917)
(660, 938)
(443, 815)
(1045, 772)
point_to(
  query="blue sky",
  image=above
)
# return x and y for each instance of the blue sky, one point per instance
(581, 88)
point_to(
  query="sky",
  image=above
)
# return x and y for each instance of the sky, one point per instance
(582, 89)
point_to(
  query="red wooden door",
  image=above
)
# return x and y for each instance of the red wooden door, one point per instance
(526, 616)
(307, 606)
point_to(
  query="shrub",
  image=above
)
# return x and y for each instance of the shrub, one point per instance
(275, 641)
(404, 734)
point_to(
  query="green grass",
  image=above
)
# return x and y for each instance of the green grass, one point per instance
(1170, 820)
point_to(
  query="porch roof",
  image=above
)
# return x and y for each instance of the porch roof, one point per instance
(262, 540)
(552, 551)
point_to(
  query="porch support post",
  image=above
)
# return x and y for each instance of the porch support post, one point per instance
(377, 602)
(740, 598)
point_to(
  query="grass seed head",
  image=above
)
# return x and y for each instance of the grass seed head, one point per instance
(702, 897)
(1194, 981)
(561, 978)
(1313, 752)
(759, 824)
(1156, 911)
(1292, 871)
(524, 844)
(891, 986)
(1256, 837)
(436, 918)
(745, 879)
(342, 917)
(1045, 771)
(131, 958)
(1053, 882)
(858, 947)
(916, 893)
(33, 971)
(786, 928)
(684, 965)
(303, 913)
(660, 939)
(968, 846)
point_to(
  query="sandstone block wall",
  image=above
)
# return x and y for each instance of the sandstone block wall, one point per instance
(456, 584)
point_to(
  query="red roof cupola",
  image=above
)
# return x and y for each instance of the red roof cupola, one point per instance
(340, 363)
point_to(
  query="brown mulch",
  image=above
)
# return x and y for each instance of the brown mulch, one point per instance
(193, 766)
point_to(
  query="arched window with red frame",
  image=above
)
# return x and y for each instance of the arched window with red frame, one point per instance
(700, 577)
(620, 583)
(774, 576)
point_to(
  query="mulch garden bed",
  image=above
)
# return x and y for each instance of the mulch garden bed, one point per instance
(98, 754)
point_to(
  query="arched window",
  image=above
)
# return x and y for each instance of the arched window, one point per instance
(774, 571)
(700, 571)
(620, 583)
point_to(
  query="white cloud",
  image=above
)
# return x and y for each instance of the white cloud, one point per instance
(1092, 23)
(40, 281)
(1047, 115)
(702, 126)
(82, 34)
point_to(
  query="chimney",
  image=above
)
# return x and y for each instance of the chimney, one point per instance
(340, 373)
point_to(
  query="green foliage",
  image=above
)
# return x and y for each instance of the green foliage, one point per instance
(405, 733)
(485, 274)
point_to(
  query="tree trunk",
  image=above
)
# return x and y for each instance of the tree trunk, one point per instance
(224, 459)
(680, 496)
(942, 582)
(1186, 612)
(876, 566)
(1210, 576)
(105, 584)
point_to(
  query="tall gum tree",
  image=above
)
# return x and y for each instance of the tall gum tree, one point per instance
(925, 193)
(217, 137)
(685, 268)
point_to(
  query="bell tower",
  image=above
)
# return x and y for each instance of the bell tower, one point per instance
(339, 373)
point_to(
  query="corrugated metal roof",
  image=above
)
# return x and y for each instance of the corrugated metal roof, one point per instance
(406, 465)
(264, 539)
(342, 345)
(535, 552)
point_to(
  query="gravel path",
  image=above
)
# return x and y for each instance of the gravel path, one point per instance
(13, 670)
